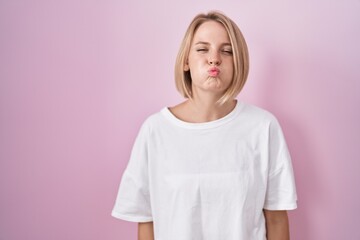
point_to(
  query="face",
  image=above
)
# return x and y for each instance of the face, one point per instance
(210, 59)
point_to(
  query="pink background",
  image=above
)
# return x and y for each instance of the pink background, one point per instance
(77, 78)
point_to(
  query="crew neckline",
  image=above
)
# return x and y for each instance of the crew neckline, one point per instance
(204, 125)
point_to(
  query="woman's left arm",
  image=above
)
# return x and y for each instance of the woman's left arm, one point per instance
(277, 225)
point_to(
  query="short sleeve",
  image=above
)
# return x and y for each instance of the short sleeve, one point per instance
(281, 190)
(133, 197)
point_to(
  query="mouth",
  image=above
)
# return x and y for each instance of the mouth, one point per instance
(213, 72)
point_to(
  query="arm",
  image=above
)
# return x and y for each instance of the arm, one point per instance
(145, 231)
(277, 225)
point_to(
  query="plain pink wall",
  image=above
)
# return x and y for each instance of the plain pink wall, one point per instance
(77, 78)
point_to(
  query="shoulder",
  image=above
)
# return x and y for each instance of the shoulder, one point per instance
(154, 120)
(256, 113)
(260, 120)
(150, 123)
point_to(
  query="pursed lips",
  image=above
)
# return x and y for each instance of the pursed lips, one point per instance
(214, 71)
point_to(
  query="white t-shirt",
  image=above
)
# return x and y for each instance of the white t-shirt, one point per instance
(207, 181)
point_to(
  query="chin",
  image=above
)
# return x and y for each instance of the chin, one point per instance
(215, 84)
(213, 89)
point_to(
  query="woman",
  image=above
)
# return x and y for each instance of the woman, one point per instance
(211, 167)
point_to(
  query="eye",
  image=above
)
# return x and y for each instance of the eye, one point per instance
(201, 50)
(227, 51)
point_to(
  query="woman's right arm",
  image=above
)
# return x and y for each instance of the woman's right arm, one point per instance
(145, 231)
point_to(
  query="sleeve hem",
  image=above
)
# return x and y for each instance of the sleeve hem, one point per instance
(131, 218)
(289, 206)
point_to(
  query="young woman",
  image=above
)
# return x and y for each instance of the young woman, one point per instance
(211, 167)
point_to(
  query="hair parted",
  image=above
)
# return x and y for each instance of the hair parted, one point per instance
(183, 79)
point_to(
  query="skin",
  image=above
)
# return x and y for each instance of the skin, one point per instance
(146, 231)
(211, 47)
(277, 225)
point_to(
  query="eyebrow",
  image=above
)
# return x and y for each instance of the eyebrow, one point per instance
(206, 43)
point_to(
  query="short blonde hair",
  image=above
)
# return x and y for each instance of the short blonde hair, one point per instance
(183, 79)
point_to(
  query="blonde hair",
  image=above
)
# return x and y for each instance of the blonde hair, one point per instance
(240, 56)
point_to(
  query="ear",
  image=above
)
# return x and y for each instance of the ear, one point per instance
(186, 66)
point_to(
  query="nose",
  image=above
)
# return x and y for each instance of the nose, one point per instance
(214, 58)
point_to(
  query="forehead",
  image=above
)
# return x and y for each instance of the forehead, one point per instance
(211, 31)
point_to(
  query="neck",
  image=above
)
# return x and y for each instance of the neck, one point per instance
(206, 109)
